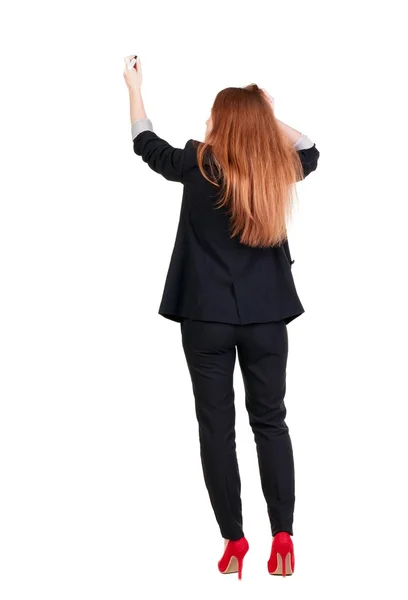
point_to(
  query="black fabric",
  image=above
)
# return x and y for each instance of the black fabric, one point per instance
(210, 349)
(211, 276)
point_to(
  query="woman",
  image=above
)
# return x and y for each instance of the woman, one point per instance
(230, 287)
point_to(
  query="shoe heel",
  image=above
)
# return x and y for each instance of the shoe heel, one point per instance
(232, 560)
(286, 562)
(282, 560)
(240, 566)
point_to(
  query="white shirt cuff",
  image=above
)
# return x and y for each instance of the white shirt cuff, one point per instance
(141, 125)
(303, 142)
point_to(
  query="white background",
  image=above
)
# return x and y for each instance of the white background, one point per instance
(102, 494)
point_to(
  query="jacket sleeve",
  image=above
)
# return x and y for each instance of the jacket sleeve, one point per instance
(161, 157)
(308, 154)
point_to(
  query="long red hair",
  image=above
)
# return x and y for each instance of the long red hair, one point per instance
(253, 163)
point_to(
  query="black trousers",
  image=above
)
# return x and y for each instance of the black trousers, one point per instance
(210, 349)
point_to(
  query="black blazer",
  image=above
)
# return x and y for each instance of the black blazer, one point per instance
(211, 276)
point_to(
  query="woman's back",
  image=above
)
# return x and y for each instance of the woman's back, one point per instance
(213, 276)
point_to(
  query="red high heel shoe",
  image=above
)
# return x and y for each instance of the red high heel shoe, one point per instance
(233, 557)
(282, 559)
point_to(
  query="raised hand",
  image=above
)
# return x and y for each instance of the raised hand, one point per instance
(133, 76)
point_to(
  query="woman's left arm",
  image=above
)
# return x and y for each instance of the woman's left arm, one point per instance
(156, 152)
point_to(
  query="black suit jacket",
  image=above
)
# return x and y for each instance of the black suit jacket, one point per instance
(211, 276)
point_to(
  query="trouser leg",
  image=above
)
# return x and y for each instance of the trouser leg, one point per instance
(210, 353)
(262, 354)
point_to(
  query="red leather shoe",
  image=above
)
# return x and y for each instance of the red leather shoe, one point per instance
(282, 559)
(233, 557)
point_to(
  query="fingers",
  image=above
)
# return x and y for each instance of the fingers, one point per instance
(132, 62)
(268, 96)
(130, 58)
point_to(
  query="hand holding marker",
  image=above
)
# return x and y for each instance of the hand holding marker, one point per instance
(133, 72)
(132, 62)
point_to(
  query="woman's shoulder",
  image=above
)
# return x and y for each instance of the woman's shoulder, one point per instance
(192, 146)
(191, 166)
(190, 153)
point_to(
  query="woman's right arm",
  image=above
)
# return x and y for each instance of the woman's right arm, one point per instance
(306, 149)
(299, 140)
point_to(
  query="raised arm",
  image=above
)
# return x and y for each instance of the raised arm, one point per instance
(306, 149)
(155, 151)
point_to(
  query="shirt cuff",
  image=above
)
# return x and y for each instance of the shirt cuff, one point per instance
(141, 125)
(303, 142)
